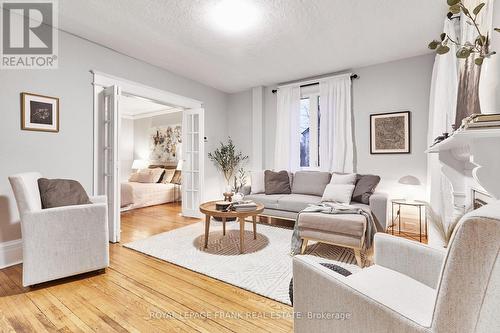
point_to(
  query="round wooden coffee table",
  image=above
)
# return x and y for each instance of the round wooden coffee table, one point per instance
(208, 208)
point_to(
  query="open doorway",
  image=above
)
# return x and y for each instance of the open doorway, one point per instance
(150, 150)
(152, 112)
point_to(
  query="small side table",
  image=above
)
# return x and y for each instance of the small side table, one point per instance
(412, 203)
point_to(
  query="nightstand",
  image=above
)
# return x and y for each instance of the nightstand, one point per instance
(419, 206)
(177, 192)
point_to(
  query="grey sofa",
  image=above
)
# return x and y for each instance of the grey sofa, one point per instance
(347, 230)
(309, 191)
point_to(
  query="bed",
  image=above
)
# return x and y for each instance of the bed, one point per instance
(136, 194)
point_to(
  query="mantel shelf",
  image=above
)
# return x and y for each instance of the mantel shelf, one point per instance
(463, 138)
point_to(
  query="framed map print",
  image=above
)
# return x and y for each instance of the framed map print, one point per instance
(390, 133)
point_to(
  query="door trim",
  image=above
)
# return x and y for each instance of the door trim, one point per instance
(101, 80)
(195, 212)
(141, 90)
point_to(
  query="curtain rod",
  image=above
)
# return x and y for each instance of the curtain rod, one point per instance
(353, 77)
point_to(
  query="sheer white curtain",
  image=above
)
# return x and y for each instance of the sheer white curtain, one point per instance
(287, 145)
(442, 110)
(336, 138)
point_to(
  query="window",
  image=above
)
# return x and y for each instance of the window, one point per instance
(309, 130)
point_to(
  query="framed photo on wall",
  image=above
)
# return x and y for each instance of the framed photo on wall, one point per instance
(390, 133)
(39, 113)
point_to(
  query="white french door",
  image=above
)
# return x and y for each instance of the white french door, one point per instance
(109, 132)
(192, 155)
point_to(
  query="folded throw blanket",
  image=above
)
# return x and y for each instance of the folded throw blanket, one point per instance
(335, 208)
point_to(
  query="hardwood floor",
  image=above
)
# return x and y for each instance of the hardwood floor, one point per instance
(138, 293)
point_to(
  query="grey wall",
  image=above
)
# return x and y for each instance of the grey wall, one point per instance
(142, 131)
(68, 154)
(396, 86)
(239, 121)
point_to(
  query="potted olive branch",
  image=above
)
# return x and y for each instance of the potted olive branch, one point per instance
(479, 47)
(227, 159)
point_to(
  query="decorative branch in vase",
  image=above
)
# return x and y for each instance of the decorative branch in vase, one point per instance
(479, 47)
(227, 158)
(240, 180)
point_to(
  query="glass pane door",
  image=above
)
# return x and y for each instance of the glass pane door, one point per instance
(192, 168)
(110, 159)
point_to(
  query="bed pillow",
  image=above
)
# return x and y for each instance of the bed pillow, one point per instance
(277, 182)
(177, 177)
(61, 192)
(365, 186)
(257, 182)
(167, 176)
(134, 177)
(343, 178)
(338, 193)
(147, 175)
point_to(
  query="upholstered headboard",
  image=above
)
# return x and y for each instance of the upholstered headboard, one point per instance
(168, 165)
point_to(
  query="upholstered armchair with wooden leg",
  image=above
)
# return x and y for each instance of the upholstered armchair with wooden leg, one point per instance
(411, 287)
(59, 242)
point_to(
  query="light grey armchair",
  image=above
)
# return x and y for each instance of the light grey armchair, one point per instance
(59, 242)
(411, 287)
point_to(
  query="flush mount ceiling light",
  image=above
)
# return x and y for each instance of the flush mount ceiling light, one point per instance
(234, 16)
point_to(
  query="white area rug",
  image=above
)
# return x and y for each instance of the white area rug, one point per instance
(264, 268)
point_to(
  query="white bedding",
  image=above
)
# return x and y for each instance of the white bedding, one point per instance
(136, 195)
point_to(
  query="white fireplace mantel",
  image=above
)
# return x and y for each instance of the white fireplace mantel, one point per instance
(470, 158)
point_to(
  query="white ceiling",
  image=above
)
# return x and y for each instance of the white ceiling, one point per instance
(293, 38)
(136, 107)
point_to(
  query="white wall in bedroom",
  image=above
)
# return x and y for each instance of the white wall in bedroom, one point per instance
(126, 148)
(135, 139)
(69, 153)
(142, 132)
(402, 85)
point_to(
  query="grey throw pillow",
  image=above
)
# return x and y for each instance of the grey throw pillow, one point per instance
(277, 182)
(365, 186)
(61, 192)
(310, 182)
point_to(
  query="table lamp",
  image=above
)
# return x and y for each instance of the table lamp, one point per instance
(179, 165)
(139, 164)
(411, 183)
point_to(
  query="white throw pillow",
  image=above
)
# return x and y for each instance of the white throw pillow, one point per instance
(257, 182)
(348, 178)
(339, 193)
(147, 175)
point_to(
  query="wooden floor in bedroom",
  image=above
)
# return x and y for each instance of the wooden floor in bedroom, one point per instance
(138, 293)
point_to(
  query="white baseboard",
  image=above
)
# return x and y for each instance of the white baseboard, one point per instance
(11, 253)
